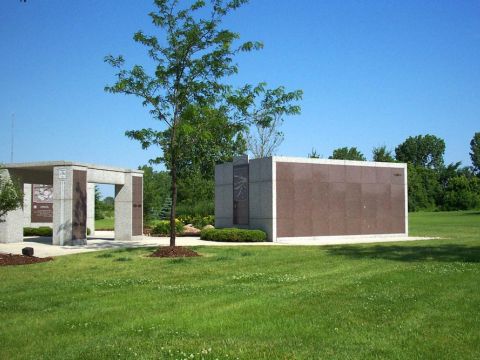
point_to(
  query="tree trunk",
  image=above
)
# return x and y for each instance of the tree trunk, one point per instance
(173, 174)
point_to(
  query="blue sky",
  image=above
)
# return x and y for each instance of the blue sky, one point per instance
(372, 72)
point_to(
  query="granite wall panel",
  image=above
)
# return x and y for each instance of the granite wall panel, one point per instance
(326, 200)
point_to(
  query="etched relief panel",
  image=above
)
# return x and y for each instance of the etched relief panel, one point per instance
(240, 195)
(79, 205)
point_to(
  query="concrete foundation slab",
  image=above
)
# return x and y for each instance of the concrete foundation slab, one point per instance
(104, 240)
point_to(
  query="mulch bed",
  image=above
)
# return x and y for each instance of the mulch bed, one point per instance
(174, 251)
(11, 259)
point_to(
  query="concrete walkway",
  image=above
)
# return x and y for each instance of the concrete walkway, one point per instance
(104, 240)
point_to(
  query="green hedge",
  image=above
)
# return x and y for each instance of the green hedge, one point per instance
(233, 235)
(41, 231)
(162, 227)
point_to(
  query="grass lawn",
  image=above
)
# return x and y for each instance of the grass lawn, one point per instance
(105, 224)
(414, 300)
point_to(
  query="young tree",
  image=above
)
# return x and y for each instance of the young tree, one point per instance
(191, 62)
(475, 152)
(425, 151)
(347, 153)
(156, 188)
(11, 196)
(206, 137)
(381, 154)
(265, 109)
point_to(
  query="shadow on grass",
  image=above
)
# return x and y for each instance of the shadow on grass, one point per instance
(472, 213)
(444, 253)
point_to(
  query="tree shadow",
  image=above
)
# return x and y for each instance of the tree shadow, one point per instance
(47, 240)
(443, 253)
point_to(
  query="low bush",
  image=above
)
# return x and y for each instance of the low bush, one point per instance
(233, 235)
(162, 227)
(40, 231)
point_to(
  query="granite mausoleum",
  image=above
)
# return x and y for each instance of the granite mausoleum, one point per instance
(303, 198)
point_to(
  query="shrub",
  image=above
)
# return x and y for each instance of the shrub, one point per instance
(197, 221)
(162, 227)
(196, 207)
(233, 235)
(40, 231)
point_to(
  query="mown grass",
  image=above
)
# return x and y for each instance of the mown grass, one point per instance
(411, 300)
(105, 224)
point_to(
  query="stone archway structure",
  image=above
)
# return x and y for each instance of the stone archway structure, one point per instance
(73, 199)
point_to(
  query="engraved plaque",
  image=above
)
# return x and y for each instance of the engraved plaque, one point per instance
(42, 203)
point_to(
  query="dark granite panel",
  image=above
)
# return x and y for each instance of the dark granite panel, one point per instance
(285, 199)
(285, 227)
(320, 173)
(336, 173)
(397, 176)
(137, 206)
(398, 225)
(320, 225)
(397, 200)
(336, 197)
(383, 224)
(383, 175)
(383, 199)
(369, 226)
(353, 201)
(284, 172)
(79, 205)
(353, 226)
(320, 205)
(320, 208)
(302, 201)
(302, 225)
(369, 201)
(336, 223)
(369, 175)
(302, 172)
(353, 174)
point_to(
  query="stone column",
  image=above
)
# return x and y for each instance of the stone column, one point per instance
(69, 205)
(27, 205)
(11, 226)
(224, 195)
(129, 208)
(91, 208)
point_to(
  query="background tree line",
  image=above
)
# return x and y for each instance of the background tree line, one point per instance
(432, 185)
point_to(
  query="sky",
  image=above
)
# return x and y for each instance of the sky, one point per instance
(372, 72)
